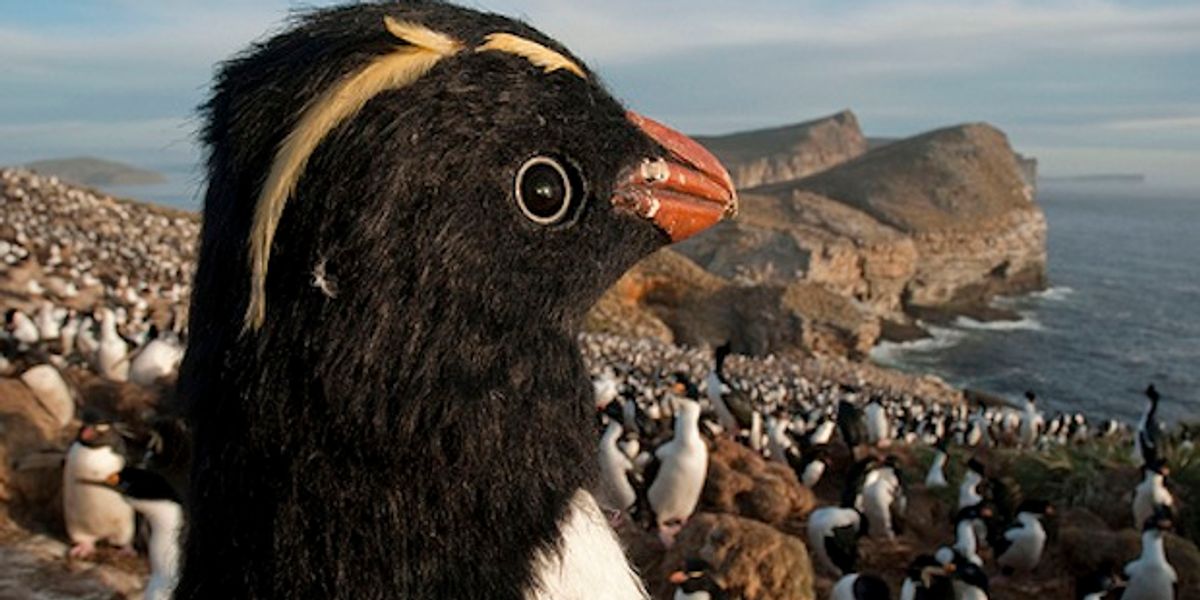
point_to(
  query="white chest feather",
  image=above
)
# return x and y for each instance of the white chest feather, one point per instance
(589, 563)
(1028, 541)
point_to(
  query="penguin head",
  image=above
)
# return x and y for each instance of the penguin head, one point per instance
(1030, 396)
(96, 433)
(1152, 393)
(1036, 507)
(1162, 520)
(1158, 465)
(977, 466)
(140, 484)
(924, 568)
(973, 512)
(970, 573)
(681, 385)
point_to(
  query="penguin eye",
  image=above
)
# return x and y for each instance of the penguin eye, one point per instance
(547, 190)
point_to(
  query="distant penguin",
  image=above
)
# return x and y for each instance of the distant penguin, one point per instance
(153, 498)
(21, 328)
(936, 477)
(94, 513)
(966, 523)
(1152, 492)
(155, 361)
(1019, 548)
(884, 501)
(1148, 435)
(1032, 422)
(695, 582)
(977, 427)
(876, 418)
(969, 493)
(850, 424)
(715, 387)
(677, 480)
(855, 586)
(110, 356)
(1151, 577)
(616, 492)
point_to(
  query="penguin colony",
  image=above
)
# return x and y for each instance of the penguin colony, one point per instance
(658, 407)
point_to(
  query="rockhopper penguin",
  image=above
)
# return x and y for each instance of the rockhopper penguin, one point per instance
(410, 208)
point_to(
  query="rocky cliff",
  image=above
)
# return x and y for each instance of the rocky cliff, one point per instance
(960, 195)
(786, 153)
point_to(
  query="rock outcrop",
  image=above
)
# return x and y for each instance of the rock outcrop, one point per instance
(786, 153)
(959, 194)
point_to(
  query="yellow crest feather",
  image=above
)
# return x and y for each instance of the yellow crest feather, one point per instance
(539, 55)
(335, 106)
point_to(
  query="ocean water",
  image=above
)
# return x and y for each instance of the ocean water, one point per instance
(1123, 310)
(183, 189)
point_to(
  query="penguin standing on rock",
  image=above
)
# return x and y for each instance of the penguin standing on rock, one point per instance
(1147, 438)
(94, 513)
(1151, 577)
(1019, 548)
(468, 183)
(1152, 492)
(1032, 422)
(676, 477)
(969, 492)
(936, 477)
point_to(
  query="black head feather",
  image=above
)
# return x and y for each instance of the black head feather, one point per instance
(870, 587)
(410, 417)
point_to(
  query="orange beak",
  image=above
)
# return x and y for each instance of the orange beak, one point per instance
(683, 193)
(677, 577)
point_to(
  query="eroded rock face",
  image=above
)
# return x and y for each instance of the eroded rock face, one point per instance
(787, 153)
(960, 195)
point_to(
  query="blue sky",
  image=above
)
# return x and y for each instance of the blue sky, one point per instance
(1085, 85)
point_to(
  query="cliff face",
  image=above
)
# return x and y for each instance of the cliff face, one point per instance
(787, 153)
(960, 195)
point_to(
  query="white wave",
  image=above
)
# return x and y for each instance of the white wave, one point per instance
(1027, 323)
(1055, 294)
(940, 338)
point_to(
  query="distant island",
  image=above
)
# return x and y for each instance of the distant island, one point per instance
(1096, 178)
(96, 172)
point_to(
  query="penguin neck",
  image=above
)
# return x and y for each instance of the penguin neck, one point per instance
(687, 424)
(1152, 547)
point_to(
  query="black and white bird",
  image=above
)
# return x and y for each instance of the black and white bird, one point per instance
(675, 478)
(1019, 547)
(883, 499)
(1148, 436)
(928, 578)
(1152, 492)
(856, 586)
(970, 580)
(469, 185)
(967, 524)
(616, 491)
(1150, 576)
(936, 477)
(153, 498)
(970, 491)
(877, 422)
(695, 582)
(94, 513)
(1032, 422)
(834, 531)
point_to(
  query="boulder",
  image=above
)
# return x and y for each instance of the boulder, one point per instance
(740, 482)
(30, 488)
(751, 560)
